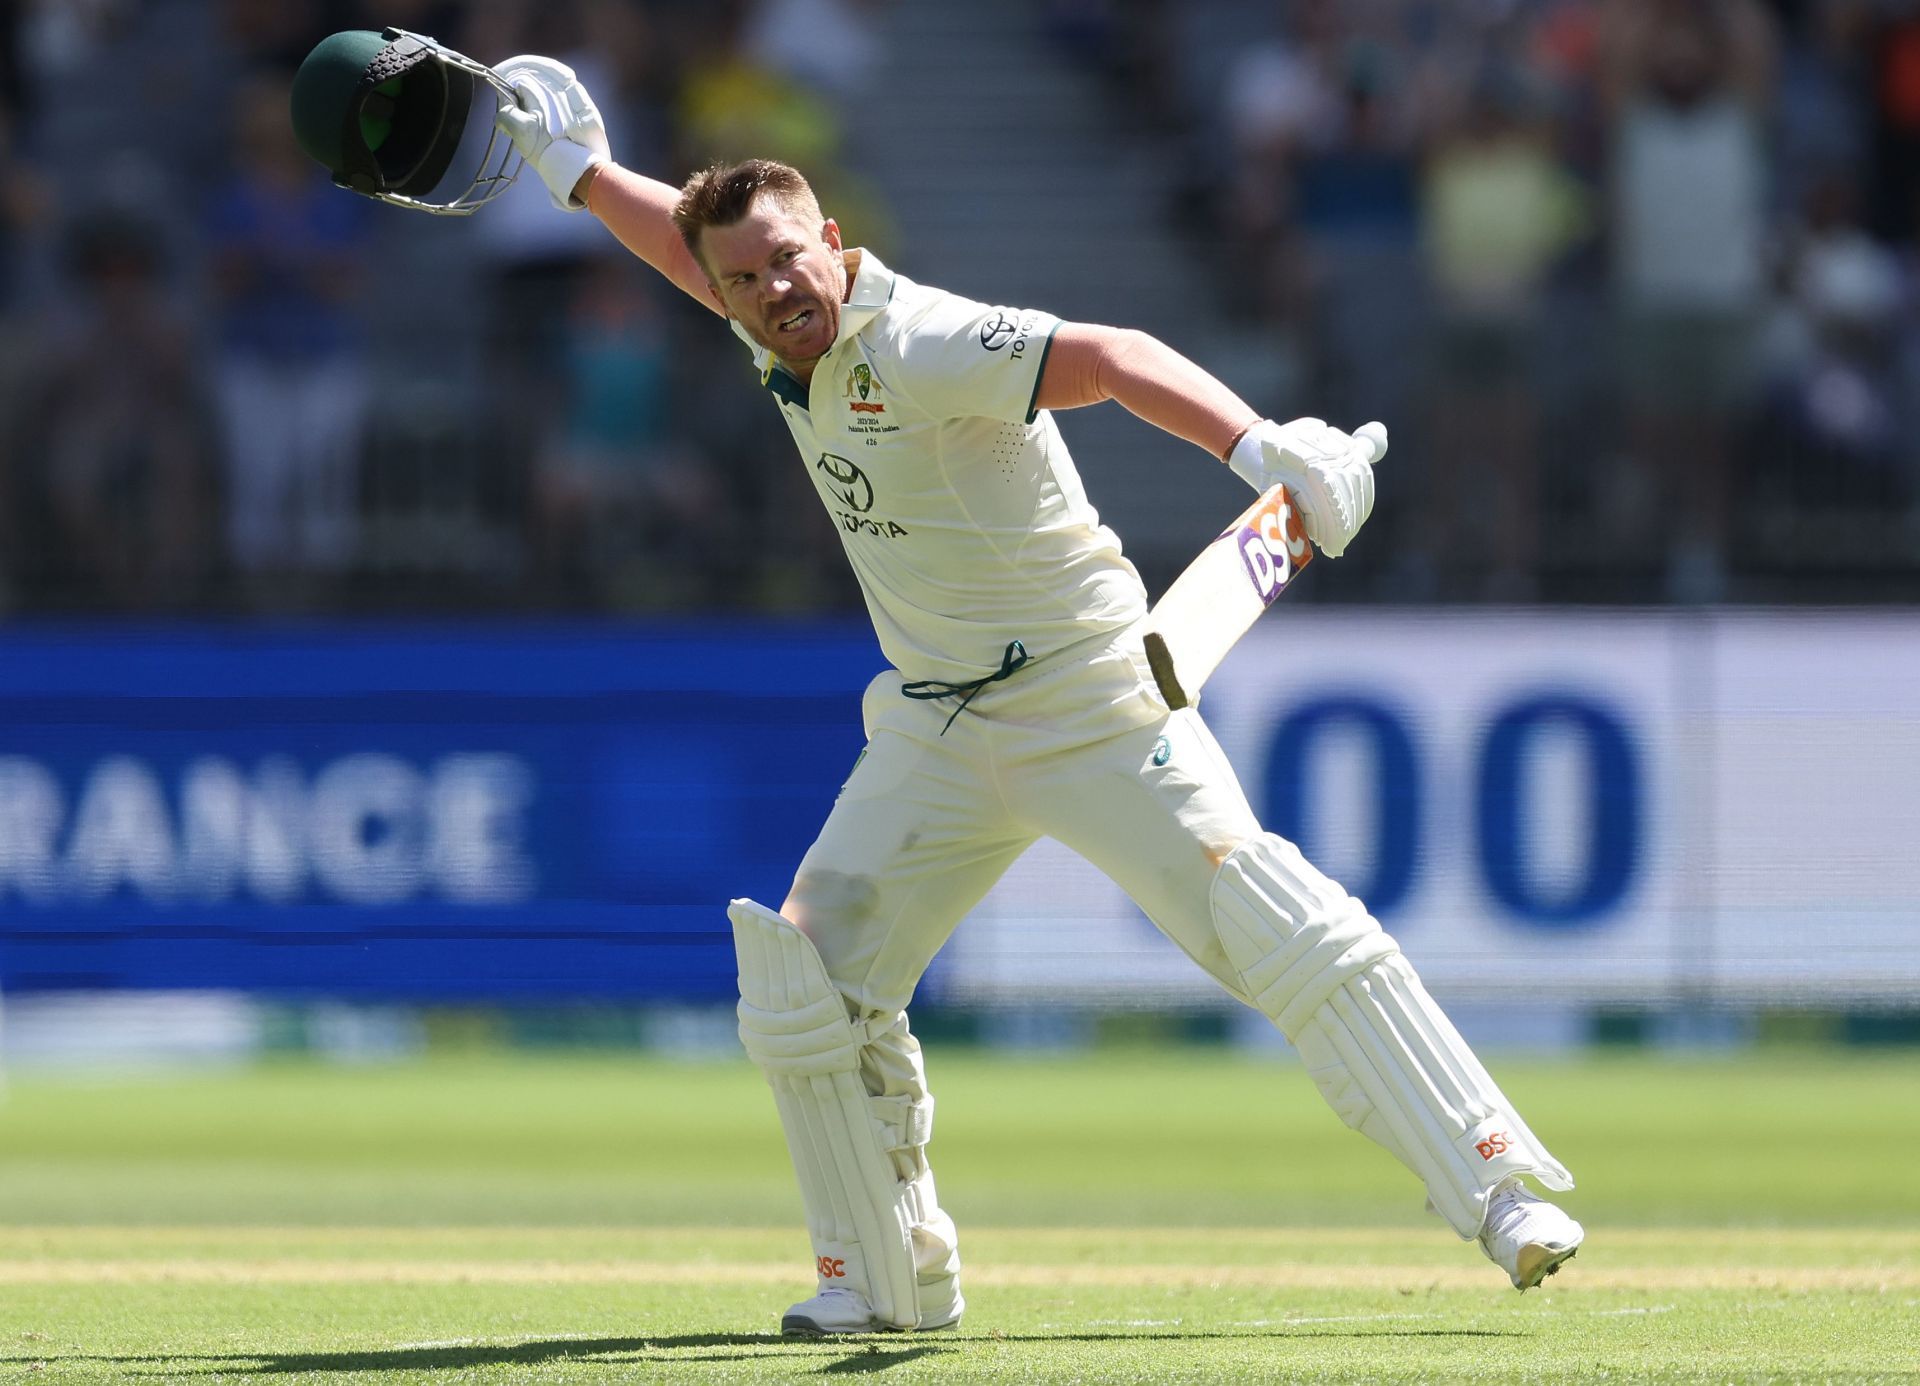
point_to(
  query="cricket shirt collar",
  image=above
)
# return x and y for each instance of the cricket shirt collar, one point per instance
(872, 290)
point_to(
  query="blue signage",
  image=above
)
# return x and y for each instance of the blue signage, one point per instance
(1502, 814)
(410, 811)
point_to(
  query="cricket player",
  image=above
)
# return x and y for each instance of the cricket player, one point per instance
(1019, 704)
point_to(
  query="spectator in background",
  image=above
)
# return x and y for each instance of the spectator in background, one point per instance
(537, 259)
(1325, 122)
(1357, 203)
(1500, 212)
(1128, 43)
(534, 262)
(621, 508)
(1287, 156)
(1559, 46)
(830, 46)
(284, 244)
(1280, 100)
(1838, 439)
(1687, 85)
(732, 107)
(1282, 96)
(118, 433)
(1822, 121)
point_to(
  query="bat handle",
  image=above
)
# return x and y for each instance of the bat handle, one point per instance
(1375, 436)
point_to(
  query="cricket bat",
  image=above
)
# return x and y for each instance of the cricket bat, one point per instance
(1223, 591)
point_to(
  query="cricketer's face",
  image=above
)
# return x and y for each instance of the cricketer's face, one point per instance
(781, 277)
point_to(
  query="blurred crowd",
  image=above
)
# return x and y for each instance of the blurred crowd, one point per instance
(226, 385)
(1636, 279)
(1638, 276)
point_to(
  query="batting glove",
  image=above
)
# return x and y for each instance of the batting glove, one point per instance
(556, 127)
(1328, 473)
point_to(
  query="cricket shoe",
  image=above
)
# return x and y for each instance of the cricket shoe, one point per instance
(837, 1311)
(1527, 1237)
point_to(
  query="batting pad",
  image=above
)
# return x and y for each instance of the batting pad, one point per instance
(794, 1025)
(1385, 1057)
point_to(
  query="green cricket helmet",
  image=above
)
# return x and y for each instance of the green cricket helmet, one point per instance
(400, 117)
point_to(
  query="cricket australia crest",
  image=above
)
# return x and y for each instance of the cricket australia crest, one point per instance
(866, 410)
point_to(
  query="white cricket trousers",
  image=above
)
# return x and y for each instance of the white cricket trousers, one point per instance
(1080, 748)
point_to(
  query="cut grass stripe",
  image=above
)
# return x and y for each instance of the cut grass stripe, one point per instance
(1379, 1276)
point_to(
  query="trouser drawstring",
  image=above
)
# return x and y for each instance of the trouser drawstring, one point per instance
(928, 689)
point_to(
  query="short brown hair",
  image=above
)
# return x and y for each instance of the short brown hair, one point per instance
(721, 194)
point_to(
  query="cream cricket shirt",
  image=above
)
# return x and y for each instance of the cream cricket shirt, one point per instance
(959, 507)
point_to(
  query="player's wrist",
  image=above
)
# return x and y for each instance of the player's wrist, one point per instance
(1244, 459)
(582, 183)
(1262, 457)
(583, 189)
(563, 166)
(1233, 443)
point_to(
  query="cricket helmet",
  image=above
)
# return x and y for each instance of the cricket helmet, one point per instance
(400, 117)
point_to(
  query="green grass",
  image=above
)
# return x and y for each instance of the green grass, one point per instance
(1185, 1216)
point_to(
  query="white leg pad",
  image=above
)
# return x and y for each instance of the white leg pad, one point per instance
(891, 1064)
(1384, 1056)
(860, 1213)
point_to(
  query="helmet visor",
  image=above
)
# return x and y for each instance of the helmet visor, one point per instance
(471, 163)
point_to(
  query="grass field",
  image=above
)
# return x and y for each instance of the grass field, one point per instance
(1185, 1216)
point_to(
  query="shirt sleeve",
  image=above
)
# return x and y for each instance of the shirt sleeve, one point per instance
(960, 359)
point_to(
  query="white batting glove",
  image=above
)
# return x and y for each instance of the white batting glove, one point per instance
(556, 127)
(1328, 473)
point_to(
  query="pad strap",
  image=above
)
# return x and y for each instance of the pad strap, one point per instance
(905, 1123)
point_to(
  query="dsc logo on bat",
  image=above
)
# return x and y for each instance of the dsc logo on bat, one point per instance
(1273, 545)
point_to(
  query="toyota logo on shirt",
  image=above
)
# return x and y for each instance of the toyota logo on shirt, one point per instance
(846, 483)
(1003, 328)
(997, 331)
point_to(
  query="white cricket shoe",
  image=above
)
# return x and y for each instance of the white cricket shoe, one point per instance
(831, 1311)
(1527, 1237)
(842, 1311)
